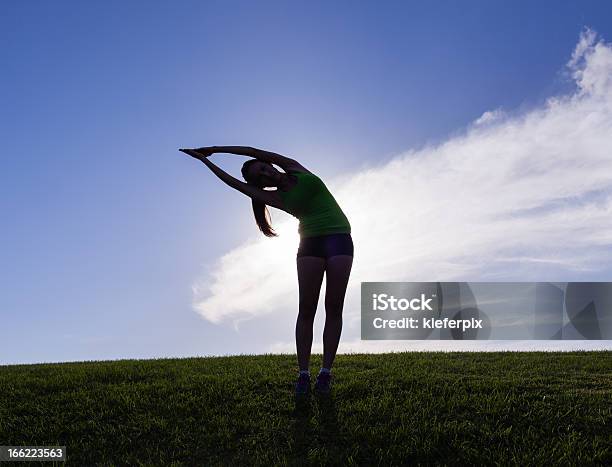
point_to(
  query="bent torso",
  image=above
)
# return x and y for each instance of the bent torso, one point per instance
(278, 201)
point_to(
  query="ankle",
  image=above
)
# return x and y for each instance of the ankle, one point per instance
(325, 370)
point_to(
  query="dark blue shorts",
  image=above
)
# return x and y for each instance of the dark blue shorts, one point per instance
(325, 246)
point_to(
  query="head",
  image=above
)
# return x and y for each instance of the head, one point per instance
(261, 174)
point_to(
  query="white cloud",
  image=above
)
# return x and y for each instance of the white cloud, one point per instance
(489, 117)
(526, 197)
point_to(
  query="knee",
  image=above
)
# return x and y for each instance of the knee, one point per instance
(334, 307)
(307, 312)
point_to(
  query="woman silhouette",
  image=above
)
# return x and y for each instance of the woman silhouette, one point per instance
(325, 243)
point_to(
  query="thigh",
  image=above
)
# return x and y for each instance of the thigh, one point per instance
(338, 271)
(310, 277)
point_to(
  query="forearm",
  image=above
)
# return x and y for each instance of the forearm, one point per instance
(222, 174)
(266, 156)
(240, 150)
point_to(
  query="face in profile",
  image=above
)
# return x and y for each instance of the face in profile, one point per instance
(263, 175)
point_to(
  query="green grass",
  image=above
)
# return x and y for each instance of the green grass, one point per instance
(390, 409)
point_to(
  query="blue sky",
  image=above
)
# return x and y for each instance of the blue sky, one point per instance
(107, 227)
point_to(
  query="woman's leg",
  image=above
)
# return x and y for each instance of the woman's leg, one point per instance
(338, 270)
(310, 277)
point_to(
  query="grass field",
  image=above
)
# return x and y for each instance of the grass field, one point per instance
(390, 409)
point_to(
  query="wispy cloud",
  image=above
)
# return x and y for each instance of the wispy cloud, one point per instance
(523, 197)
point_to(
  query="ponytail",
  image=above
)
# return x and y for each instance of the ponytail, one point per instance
(262, 217)
(260, 210)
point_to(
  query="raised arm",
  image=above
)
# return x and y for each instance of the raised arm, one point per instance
(267, 197)
(286, 163)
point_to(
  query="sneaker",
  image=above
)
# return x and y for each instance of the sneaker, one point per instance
(323, 383)
(303, 384)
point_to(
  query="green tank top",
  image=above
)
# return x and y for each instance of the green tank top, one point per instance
(317, 210)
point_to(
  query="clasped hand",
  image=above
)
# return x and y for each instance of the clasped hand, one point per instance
(199, 153)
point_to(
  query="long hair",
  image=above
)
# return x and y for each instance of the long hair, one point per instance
(260, 210)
